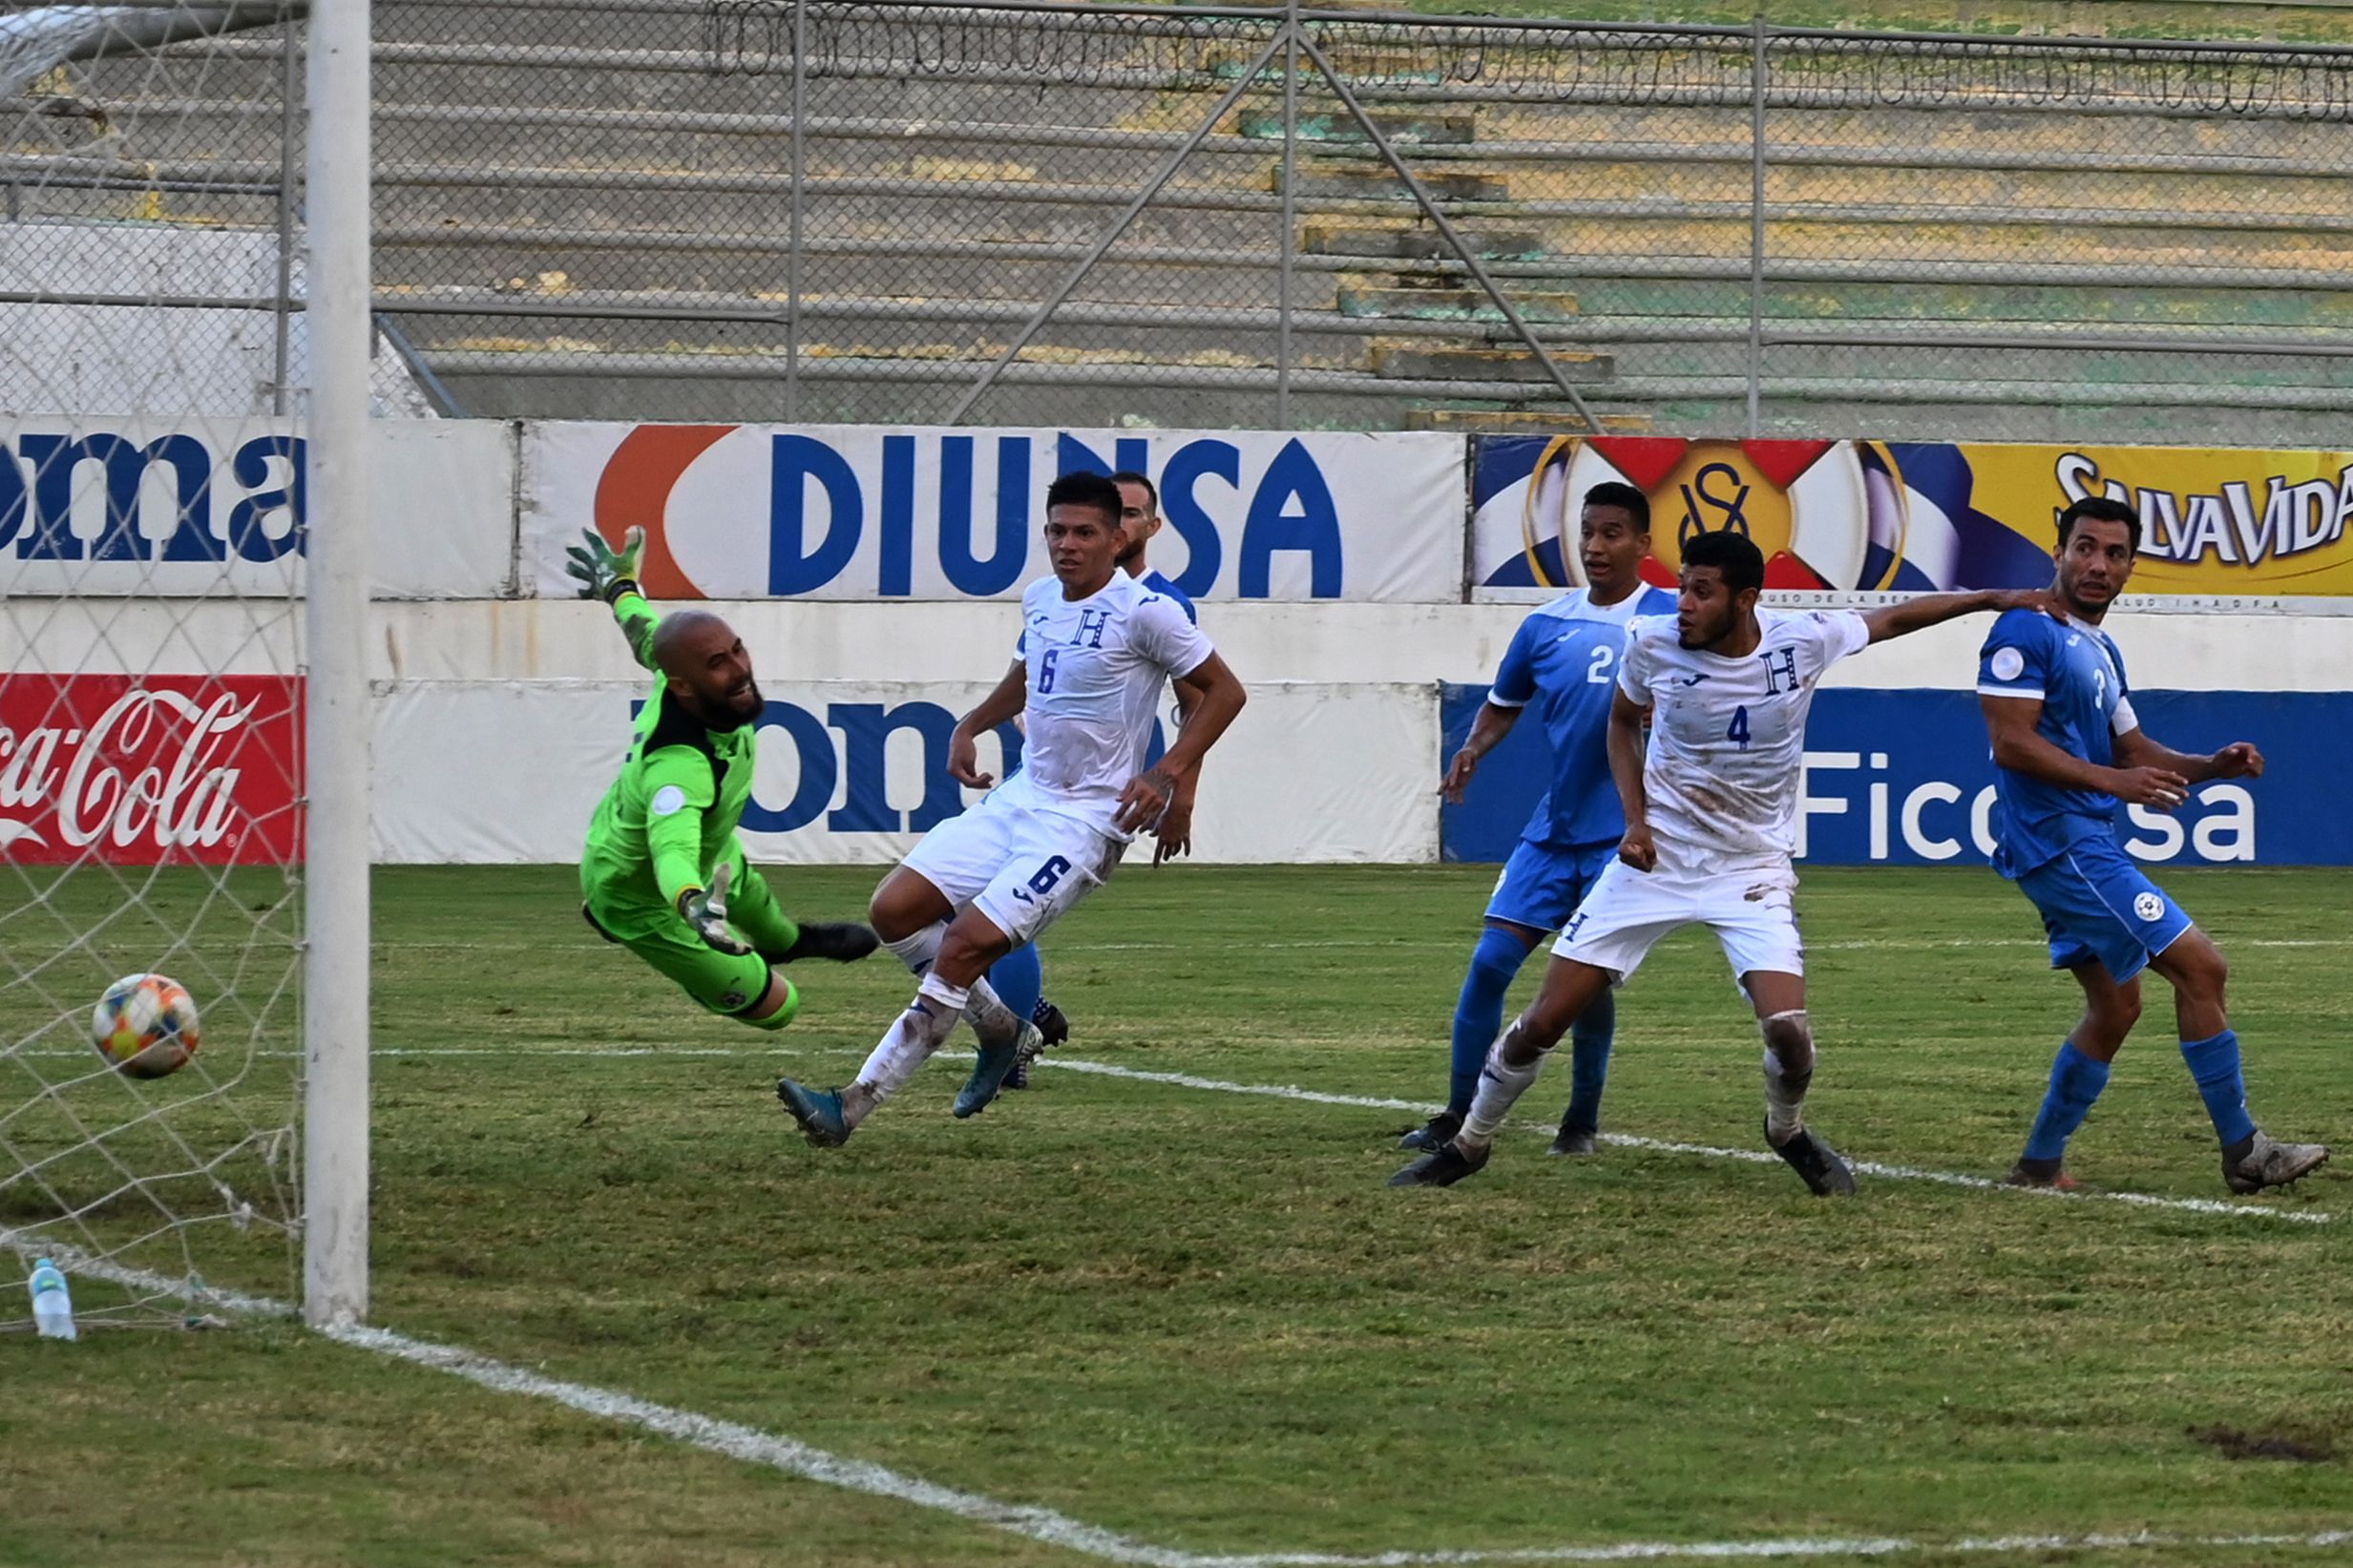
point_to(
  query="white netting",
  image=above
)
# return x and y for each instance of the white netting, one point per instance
(150, 694)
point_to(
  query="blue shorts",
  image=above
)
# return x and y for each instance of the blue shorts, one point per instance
(2096, 903)
(1542, 884)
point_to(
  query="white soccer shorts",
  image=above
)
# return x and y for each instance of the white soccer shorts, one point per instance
(1022, 868)
(1627, 911)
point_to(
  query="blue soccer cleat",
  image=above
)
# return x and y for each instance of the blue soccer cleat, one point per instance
(989, 1073)
(818, 1111)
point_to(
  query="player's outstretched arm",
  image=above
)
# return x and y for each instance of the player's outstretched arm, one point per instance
(612, 576)
(1926, 610)
(2021, 747)
(2240, 760)
(1487, 732)
(1010, 696)
(1624, 745)
(1218, 698)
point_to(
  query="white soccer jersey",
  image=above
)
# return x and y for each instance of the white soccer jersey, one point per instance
(1728, 735)
(1097, 667)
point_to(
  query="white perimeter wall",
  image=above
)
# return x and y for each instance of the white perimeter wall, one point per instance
(499, 722)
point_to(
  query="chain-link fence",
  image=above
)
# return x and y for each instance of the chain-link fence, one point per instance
(1184, 216)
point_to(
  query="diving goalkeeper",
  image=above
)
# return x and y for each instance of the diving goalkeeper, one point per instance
(663, 873)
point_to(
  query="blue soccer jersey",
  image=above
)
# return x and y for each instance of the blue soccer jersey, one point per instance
(2076, 672)
(1154, 582)
(1564, 661)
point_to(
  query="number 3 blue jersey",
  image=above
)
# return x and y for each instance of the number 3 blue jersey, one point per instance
(2075, 669)
(1563, 663)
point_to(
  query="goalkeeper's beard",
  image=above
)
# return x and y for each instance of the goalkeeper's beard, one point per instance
(731, 713)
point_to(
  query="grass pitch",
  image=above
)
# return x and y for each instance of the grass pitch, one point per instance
(1200, 1318)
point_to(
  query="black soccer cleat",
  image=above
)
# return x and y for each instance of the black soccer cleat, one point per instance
(1436, 1133)
(1052, 1027)
(1817, 1164)
(1574, 1138)
(843, 941)
(1442, 1168)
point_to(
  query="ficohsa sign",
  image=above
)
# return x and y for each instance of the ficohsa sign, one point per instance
(858, 513)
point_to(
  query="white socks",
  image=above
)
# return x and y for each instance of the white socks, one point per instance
(1785, 1089)
(906, 1047)
(923, 1029)
(1500, 1085)
(917, 952)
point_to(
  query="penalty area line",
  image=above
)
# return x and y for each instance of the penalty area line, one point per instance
(1659, 1145)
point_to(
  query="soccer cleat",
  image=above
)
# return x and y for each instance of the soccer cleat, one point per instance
(1442, 1168)
(1817, 1164)
(1574, 1138)
(1437, 1134)
(1050, 1022)
(2044, 1174)
(818, 1111)
(989, 1073)
(2268, 1163)
(841, 941)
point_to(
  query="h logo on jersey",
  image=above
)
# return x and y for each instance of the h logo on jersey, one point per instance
(1780, 664)
(1092, 624)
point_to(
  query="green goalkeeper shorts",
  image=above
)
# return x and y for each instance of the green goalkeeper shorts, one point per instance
(723, 982)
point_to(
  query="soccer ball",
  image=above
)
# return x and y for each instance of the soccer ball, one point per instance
(145, 1026)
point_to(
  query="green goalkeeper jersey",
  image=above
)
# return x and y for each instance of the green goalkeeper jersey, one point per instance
(669, 820)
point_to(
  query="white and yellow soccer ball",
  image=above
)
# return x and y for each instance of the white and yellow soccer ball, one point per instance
(145, 1026)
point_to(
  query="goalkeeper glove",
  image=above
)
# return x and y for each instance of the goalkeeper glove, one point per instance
(604, 572)
(706, 909)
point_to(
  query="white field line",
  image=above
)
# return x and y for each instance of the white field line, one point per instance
(1279, 1091)
(1756, 1157)
(749, 1445)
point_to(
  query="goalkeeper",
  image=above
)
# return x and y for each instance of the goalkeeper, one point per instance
(664, 872)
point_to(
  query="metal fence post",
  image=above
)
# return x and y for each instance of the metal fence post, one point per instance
(1463, 249)
(792, 240)
(1290, 221)
(1757, 219)
(289, 94)
(1110, 236)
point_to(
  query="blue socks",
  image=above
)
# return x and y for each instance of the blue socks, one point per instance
(1019, 979)
(1478, 1018)
(1478, 1014)
(2214, 1064)
(2075, 1082)
(1588, 1059)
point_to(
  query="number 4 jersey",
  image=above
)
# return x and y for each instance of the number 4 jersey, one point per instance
(1728, 735)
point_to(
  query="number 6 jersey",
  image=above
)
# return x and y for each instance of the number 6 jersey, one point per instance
(1728, 735)
(1097, 667)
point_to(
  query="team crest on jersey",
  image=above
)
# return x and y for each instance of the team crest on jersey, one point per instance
(2148, 906)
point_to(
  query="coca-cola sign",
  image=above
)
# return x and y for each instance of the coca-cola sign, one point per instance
(138, 770)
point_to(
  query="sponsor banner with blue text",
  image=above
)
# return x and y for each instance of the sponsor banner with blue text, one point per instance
(746, 512)
(189, 508)
(1903, 778)
(855, 772)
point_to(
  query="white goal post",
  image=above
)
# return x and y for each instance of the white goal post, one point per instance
(336, 960)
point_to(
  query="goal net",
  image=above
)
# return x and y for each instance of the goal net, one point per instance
(152, 545)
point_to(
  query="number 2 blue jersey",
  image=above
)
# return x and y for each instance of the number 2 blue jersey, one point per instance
(1564, 661)
(2075, 670)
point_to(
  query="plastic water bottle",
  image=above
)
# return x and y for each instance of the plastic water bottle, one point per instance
(53, 1310)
